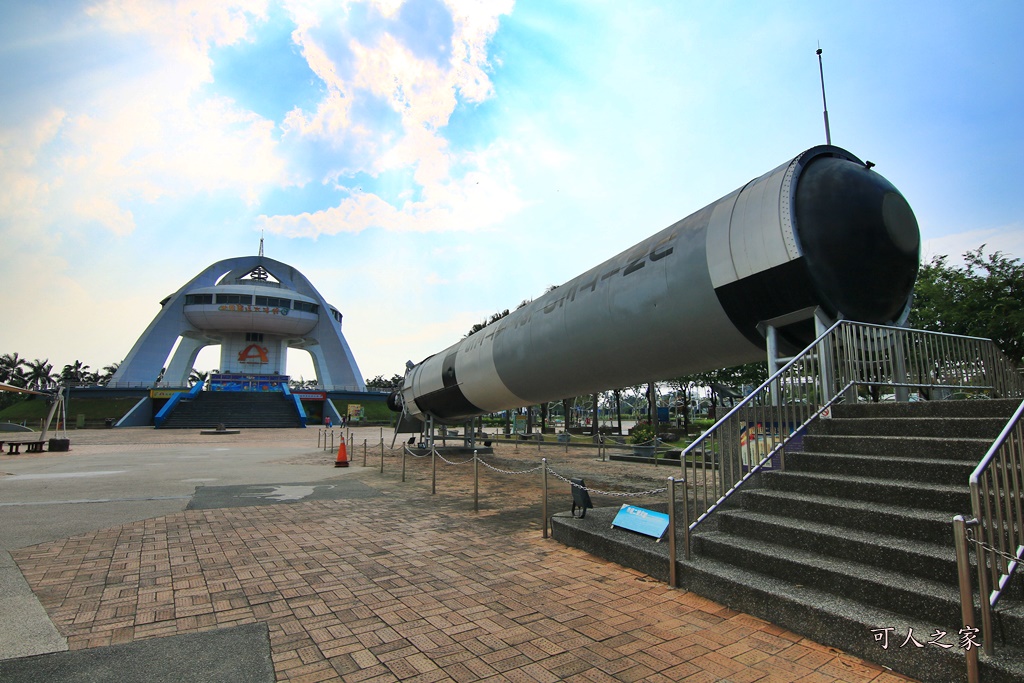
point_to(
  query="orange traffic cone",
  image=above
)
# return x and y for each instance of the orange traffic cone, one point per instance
(342, 460)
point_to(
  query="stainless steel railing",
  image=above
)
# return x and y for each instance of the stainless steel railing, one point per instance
(847, 359)
(996, 531)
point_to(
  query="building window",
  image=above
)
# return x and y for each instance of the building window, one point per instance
(194, 299)
(337, 316)
(273, 301)
(305, 306)
(254, 337)
(235, 299)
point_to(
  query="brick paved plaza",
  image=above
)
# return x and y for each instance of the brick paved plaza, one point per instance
(406, 586)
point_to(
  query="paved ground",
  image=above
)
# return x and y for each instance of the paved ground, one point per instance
(356, 575)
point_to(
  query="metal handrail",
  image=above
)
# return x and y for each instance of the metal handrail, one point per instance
(997, 530)
(756, 433)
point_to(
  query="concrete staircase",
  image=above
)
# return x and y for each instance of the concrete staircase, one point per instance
(234, 410)
(856, 537)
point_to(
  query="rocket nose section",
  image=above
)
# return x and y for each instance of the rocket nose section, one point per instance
(860, 239)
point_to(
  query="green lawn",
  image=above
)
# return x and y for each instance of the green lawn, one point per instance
(95, 409)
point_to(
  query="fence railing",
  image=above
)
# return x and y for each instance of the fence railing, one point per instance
(996, 530)
(847, 359)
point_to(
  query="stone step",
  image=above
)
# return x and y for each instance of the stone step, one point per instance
(872, 489)
(929, 560)
(977, 408)
(931, 470)
(917, 524)
(944, 427)
(924, 447)
(901, 592)
(838, 621)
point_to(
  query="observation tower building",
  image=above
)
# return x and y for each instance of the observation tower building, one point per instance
(255, 309)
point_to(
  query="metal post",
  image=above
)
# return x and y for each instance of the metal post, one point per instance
(825, 367)
(403, 463)
(963, 568)
(433, 459)
(672, 532)
(364, 452)
(772, 343)
(544, 501)
(824, 104)
(476, 482)
(686, 519)
(382, 457)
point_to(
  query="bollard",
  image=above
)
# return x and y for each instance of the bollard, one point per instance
(476, 482)
(544, 502)
(364, 452)
(672, 532)
(382, 456)
(403, 463)
(433, 470)
(967, 614)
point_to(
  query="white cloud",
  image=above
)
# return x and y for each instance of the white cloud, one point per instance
(182, 31)
(457, 190)
(481, 198)
(144, 132)
(1008, 239)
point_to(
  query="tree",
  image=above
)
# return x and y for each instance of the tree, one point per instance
(379, 382)
(983, 298)
(108, 373)
(197, 377)
(12, 369)
(39, 374)
(77, 373)
(493, 319)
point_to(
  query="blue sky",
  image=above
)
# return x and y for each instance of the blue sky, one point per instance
(430, 162)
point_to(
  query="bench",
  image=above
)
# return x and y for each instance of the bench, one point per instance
(14, 447)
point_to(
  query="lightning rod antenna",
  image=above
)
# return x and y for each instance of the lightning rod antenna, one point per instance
(261, 241)
(821, 72)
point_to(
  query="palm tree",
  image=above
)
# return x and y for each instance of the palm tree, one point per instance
(77, 373)
(108, 373)
(40, 374)
(12, 369)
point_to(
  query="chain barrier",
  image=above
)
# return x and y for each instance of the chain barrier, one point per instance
(408, 451)
(613, 494)
(985, 546)
(449, 462)
(500, 471)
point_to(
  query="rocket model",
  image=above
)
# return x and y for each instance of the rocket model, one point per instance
(820, 232)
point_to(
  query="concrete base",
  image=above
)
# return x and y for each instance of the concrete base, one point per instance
(595, 535)
(217, 432)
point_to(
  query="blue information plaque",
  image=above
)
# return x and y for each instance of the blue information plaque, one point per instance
(640, 520)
